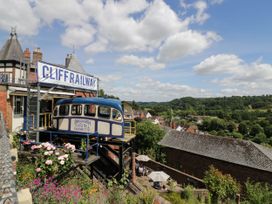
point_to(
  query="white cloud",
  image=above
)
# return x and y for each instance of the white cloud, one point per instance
(142, 62)
(110, 78)
(221, 63)
(90, 61)
(201, 16)
(216, 1)
(18, 14)
(185, 43)
(96, 47)
(149, 89)
(242, 79)
(69, 12)
(78, 36)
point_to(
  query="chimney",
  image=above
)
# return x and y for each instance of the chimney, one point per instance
(27, 55)
(37, 56)
(67, 60)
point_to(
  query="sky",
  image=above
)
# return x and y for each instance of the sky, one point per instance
(153, 50)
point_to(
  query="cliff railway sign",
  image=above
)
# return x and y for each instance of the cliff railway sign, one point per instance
(51, 74)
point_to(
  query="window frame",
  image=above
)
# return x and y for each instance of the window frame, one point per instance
(68, 110)
(103, 116)
(85, 108)
(21, 108)
(80, 109)
(118, 112)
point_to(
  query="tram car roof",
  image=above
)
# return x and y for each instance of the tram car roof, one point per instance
(114, 103)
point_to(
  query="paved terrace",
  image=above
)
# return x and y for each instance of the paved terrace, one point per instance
(8, 193)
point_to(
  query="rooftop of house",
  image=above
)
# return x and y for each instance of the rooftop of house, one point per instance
(12, 49)
(242, 152)
(74, 64)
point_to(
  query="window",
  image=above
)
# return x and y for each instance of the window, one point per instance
(64, 110)
(90, 110)
(56, 111)
(104, 112)
(18, 105)
(76, 110)
(116, 115)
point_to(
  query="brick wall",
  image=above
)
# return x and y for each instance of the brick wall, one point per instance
(5, 106)
(85, 94)
(196, 165)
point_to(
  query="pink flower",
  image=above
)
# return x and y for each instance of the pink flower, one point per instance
(38, 170)
(46, 153)
(48, 148)
(57, 153)
(62, 162)
(49, 162)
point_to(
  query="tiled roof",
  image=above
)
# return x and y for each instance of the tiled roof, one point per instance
(12, 49)
(75, 65)
(242, 152)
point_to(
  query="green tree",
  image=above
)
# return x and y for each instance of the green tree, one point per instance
(256, 129)
(148, 136)
(243, 128)
(231, 126)
(260, 138)
(220, 186)
(268, 131)
(258, 193)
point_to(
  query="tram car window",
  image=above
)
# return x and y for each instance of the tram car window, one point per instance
(116, 115)
(64, 110)
(76, 110)
(104, 112)
(90, 110)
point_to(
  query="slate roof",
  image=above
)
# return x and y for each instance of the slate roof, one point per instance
(75, 65)
(242, 152)
(12, 49)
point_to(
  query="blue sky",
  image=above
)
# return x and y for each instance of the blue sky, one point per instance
(153, 50)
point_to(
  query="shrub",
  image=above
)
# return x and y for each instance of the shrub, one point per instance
(147, 196)
(258, 193)
(25, 173)
(220, 186)
(51, 192)
(51, 160)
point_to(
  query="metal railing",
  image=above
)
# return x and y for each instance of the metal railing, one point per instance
(130, 127)
(7, 180)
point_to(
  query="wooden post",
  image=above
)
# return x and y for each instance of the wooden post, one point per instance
(238, 197)
(133, 166)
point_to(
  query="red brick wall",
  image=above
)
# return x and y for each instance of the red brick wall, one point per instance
(5, 106)
(196, 165)
(85, 94)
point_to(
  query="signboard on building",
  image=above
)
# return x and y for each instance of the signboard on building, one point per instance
(55, 75)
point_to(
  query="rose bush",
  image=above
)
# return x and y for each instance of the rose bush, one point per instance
(52, 160)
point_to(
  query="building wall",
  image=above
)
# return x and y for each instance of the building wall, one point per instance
(196, 165)
(85, 94)
(5, 106)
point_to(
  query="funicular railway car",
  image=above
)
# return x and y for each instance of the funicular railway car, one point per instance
(104, 117)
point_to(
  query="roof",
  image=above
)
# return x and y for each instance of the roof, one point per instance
(242, 152)
(98, 101)
(75, 65)
(12, 49)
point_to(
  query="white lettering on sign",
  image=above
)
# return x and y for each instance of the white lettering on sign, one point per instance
(56, 75)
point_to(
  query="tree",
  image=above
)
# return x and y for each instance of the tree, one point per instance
(148, 136)
(268, 131)
(260, 138)
(221, 186)
(256, 129)
(243, 128)
(231, 126)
